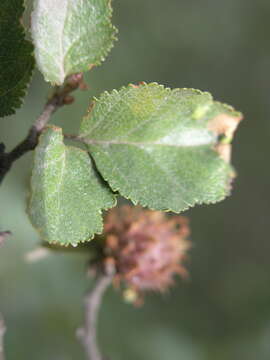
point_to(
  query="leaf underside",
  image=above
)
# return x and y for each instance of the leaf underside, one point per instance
(16, 58)
(154, 145)
(71, 36)
(67, 195)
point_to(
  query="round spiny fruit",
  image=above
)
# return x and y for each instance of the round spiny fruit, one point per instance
(147, 247)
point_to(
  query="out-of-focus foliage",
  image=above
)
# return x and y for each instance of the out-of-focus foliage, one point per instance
(16, 58)
(223, 311)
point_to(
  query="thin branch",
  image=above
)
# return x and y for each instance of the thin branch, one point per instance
(2, 334)
(88, 334)
(3, 235)
(59, 98)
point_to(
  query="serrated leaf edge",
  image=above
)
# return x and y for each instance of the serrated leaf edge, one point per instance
(229, 108)
(28, 73)
(226, 193)
(39, 230)
(89, 67)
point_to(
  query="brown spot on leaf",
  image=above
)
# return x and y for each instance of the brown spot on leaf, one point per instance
(224, 124)
(134, 86)
(225, 151)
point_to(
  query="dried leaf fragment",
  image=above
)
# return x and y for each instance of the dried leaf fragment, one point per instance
(224, 124)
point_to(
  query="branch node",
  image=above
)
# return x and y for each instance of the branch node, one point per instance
(60, 97)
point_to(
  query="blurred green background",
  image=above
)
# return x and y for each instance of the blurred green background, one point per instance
(223, 311)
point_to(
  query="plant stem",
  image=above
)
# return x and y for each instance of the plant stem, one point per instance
(88, 334)
(2, 334)
(59, 98)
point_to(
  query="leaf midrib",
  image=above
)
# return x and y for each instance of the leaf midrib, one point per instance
(141, 144)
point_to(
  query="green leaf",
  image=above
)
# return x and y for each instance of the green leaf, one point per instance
(71, 36)
(67, 194)
(158, 147)
(16, 59)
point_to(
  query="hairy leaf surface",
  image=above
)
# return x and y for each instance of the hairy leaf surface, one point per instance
(157, 146)
(16, 59)
(71, 36)
(67, 194)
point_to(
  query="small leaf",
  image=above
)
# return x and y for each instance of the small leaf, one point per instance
(71, 36)
(16, 59)
(67, 195)
(156, 146)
